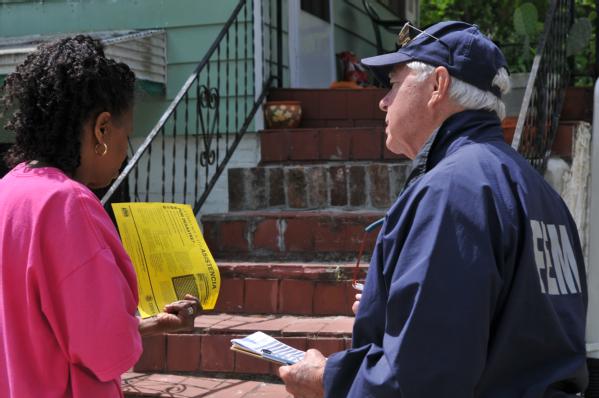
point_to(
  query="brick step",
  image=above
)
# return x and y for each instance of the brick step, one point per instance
(136, 384)
(335, 108)
(564, 138)
(309, 145)
(288, 235)
(340, 144)
(323, 186)
(360, 107)
(207, 351)
(288, 288)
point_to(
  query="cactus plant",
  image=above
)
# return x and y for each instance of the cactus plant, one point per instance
(579, 36)
(526, 19)
(527, 24)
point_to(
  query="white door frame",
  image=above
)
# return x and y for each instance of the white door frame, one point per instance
(294, 9)
(258, 64)
(592, 332)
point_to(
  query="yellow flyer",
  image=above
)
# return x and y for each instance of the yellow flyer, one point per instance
(170, 255)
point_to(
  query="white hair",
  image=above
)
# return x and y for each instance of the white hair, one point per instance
(468, 96)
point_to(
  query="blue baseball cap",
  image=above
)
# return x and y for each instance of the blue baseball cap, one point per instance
(458, 46)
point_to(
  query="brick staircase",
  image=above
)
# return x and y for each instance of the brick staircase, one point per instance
(287, 248)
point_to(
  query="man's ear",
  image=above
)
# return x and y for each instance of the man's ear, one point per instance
(442, 82)
(101, 126)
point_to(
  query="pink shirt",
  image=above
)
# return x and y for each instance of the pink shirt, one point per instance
(68, 291)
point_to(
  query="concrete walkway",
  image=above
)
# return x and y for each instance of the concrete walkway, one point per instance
(182, 386)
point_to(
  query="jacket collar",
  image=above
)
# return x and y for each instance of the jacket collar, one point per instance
(458, 130)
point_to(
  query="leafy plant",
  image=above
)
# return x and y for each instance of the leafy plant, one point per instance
(527, 25)
(584, 61)
(579, 36)
(513, 26)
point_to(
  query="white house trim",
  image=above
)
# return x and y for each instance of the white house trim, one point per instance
(143, 50)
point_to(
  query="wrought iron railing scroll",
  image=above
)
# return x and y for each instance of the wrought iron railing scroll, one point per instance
(188, 149)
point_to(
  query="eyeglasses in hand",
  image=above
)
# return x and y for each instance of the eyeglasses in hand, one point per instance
(355, 284)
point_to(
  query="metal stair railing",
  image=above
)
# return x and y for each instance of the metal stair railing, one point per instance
(544, 95)
(185, 153)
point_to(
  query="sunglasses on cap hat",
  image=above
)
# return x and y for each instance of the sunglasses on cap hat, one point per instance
(404, 37)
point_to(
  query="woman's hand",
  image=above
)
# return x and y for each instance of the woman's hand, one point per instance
(176, 316)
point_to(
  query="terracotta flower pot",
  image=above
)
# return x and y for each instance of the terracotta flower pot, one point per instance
(282, 114)
(509, 128)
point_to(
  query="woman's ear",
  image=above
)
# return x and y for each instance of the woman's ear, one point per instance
(101, 126)
(442, 82)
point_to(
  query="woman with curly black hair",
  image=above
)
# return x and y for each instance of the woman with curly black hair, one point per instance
(68, 291)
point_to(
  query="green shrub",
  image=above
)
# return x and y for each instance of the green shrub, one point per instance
(517, 26)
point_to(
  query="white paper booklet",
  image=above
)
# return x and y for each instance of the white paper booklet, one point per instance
(263, 346)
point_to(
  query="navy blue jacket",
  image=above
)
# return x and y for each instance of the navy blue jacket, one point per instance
(476, 287)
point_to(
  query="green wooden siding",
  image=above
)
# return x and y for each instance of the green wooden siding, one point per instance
(56, 16)
(191, 27)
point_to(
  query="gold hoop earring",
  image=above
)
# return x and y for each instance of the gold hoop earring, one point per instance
(104, 149)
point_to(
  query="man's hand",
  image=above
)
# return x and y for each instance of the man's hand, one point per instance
(305, 378)
(356, 304)
(177, 316)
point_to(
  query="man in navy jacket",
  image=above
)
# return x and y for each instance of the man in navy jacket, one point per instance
(476, 287)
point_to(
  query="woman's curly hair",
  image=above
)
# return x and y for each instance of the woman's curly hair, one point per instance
(55, 91)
